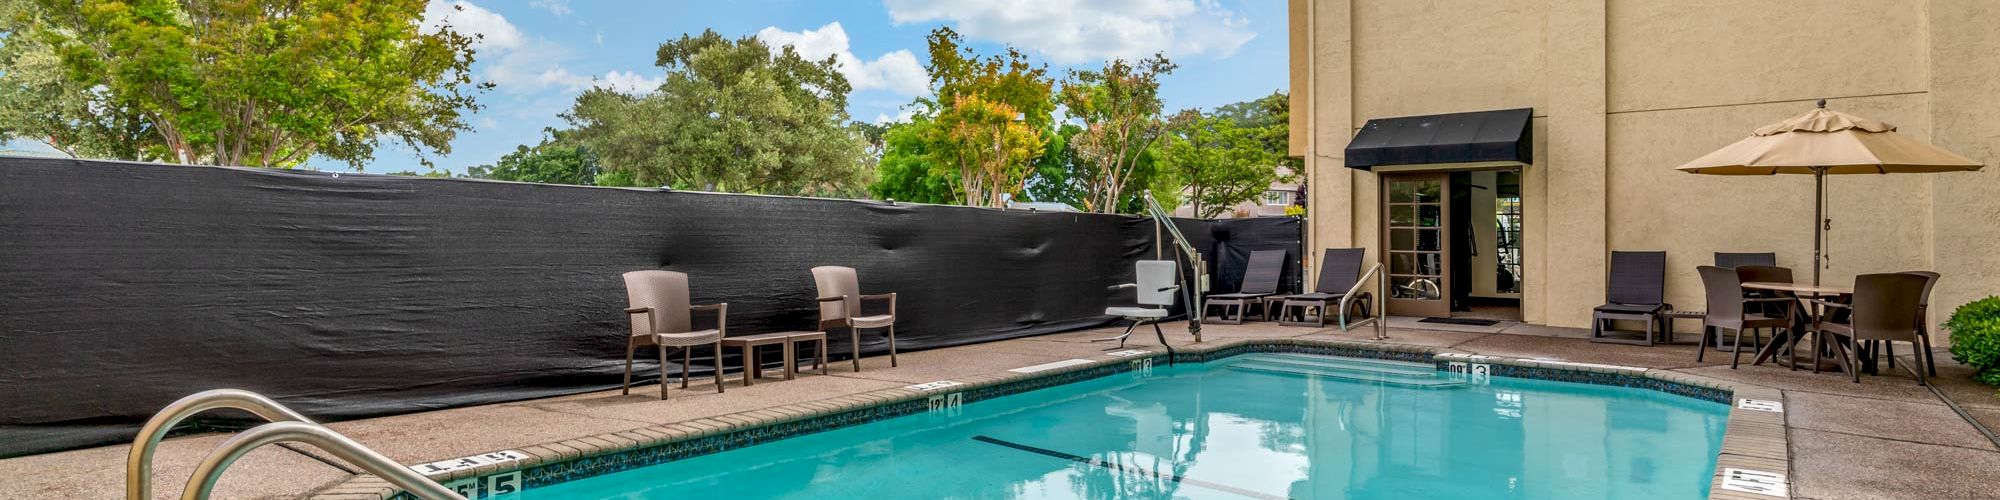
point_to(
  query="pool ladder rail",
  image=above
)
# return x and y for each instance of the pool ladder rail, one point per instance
(286, 426)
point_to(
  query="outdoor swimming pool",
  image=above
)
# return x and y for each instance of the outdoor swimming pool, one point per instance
(1248, 426)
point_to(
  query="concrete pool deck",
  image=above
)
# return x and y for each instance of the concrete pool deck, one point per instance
(1885, 437)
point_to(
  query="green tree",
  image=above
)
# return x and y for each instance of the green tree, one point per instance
(984, 126)
(432, 173)
(1058, 172)
(1220, 163)
(40, 103)
(1270, 118)
(905, 172)
(1120, 109)
(236, 82)
(552, 162)
(732, 115)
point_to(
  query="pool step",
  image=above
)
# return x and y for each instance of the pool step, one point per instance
(1351, 364)
(1364, 370)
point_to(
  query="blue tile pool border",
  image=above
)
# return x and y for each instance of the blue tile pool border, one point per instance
(553, 463)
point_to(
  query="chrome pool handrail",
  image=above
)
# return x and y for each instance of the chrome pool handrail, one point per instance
(1374, 306)
(202, 483)
(139, 461)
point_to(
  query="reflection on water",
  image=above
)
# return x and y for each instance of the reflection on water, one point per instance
(1208, 432)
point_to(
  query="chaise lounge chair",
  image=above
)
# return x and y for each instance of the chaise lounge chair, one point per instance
(840, 307)
(661, 316)
(1339, 270)
(1260, 280)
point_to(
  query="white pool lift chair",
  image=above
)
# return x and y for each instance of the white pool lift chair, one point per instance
(1156, 287)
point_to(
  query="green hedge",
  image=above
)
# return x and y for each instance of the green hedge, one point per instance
(1975, 338)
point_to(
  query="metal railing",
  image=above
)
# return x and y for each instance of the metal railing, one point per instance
(1377, 302)
(286, 426)
(1199, 285)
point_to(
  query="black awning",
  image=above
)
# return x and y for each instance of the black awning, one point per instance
(1478, 136)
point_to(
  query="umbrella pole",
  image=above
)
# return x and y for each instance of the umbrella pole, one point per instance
(1819, 221)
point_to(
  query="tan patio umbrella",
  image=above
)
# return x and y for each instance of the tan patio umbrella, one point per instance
(1821, 143)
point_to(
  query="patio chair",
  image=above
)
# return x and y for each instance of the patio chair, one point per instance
(661, 316)
(1928, 358)
(1260, 280)
(1767, 274)
(1154, 285)
(1725, 260)
(1885, 309)
(1730, 309)
(1634, 290)
(840, 307)
(1339, 270)
(1732, 260)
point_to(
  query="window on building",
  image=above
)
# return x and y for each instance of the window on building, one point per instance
(1277, 197)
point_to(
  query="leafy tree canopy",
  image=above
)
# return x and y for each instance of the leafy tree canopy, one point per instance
(981, 131)
(732, 115)
(1221, 164)
(1230, 155)
(232, 82)
(554, 161)
(1120, 109)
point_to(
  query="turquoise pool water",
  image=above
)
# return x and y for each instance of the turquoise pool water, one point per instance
(1250, 426)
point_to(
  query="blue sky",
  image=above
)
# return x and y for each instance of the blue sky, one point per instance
(542, 53)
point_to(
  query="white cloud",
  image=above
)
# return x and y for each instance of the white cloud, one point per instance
(897, 72)
(557, 7)
(902, 115)
(520, 64)
(1082, 31)
(492, 31)
(630, 82)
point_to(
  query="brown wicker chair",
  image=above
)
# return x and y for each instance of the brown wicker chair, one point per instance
(661, 316)
(1768, 274)
(1729, 309)
(840, 307)
(1923, 324)
(1260, 280)
(1885, 309)
(1732, 260)
(1725, 260)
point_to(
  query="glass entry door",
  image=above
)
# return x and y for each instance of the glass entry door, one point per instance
(1416, 233)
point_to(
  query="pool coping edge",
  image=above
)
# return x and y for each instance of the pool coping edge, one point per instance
(1753, 439)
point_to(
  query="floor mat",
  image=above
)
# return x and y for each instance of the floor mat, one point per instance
(1460, 321)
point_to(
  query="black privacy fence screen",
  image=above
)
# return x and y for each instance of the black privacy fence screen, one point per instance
(125, 286)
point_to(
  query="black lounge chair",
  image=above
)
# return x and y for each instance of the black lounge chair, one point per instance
(1339, 270)
(1260, 280)
(1635, 289)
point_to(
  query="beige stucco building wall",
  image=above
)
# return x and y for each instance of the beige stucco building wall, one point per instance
(1625, 90)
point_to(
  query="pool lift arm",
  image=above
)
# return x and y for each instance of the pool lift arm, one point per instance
(1193, 288)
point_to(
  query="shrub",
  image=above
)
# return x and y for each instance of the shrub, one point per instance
(1975, 338)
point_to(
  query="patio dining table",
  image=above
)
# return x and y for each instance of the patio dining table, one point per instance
(1813, 313)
